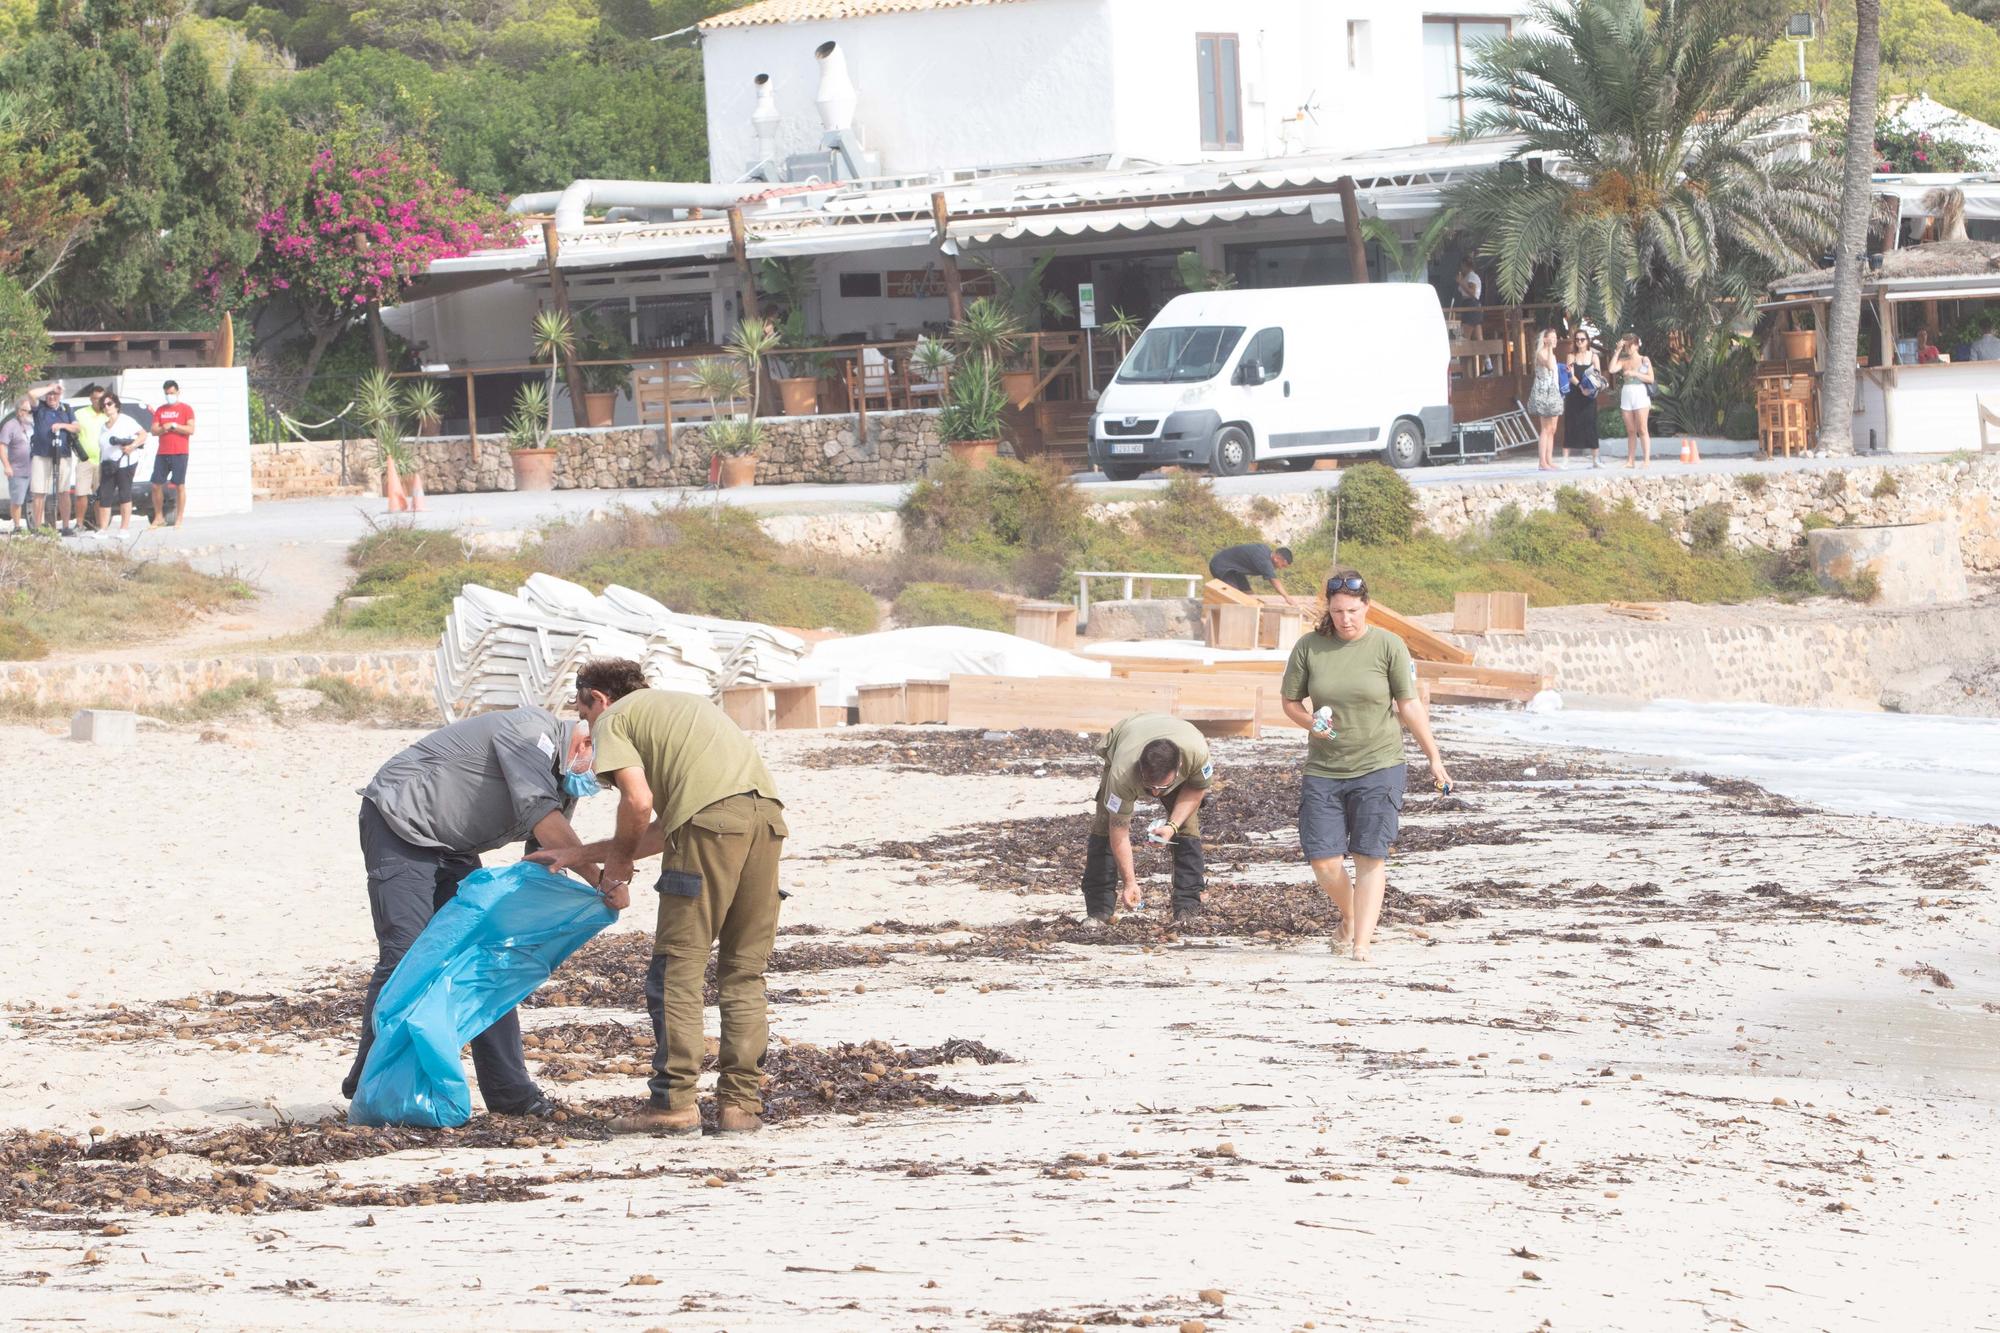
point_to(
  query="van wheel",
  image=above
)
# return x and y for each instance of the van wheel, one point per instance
(1121, 471)
(1406, 446)
(1230, 456)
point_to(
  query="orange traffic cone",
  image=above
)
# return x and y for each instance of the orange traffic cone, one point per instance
(392, 487)
(1688, 454)
(416, 491)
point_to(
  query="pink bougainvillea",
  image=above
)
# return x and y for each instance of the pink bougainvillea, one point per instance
(337, 247)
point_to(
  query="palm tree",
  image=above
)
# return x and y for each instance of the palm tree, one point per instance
(1649, 175)
(1843, 331)
(1407, 260)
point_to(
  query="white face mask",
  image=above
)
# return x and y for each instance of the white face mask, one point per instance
(173, 397)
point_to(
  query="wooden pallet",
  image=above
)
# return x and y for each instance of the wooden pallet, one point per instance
(1489, 613)
(1010, 703)
(1637, 610)
(1217, 593)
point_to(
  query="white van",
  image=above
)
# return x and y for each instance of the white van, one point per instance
(1227, 379)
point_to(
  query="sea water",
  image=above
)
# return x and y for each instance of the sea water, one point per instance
(1943, 770)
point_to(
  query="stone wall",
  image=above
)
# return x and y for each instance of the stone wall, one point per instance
(298, 470)
(896, 446)
(1785, 656)
(1767, 508)
(143, 685)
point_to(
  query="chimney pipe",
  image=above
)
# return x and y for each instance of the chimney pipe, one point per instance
(836, 90)
(765, 121)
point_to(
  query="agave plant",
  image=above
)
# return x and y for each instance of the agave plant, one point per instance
(753, 341)
(932, 359)
(989, 331)
(1023, 298)
(1124, 328)
(527, 426)
(735, 436)
(380, 405)
(976, 405)
(424, 403)
(553, 340)
(1666, 124)
(721, 380)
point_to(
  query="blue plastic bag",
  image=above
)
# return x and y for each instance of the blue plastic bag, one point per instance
(483, 953)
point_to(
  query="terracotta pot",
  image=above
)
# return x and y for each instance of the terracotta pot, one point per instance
(739, 470)
(1018, 385)
(599, 409)
(800, 397)
(534, 469)
(1798, 344)
(975, 454)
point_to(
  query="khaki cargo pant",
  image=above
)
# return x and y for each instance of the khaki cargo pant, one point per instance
(718, 890)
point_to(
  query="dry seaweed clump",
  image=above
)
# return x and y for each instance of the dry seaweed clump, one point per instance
(954, 753)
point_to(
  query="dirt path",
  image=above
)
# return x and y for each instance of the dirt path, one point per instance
(1638, 1052)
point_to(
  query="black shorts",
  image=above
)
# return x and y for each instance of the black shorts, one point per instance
(114, 486)
(170, 469)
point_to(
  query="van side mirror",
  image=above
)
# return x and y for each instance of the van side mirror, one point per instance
(1253, 372)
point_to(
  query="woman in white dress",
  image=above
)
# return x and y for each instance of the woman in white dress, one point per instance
(1545, 400)
(1635, 399)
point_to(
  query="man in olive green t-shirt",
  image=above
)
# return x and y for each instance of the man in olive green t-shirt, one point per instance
(693, 791)
(1165, 758)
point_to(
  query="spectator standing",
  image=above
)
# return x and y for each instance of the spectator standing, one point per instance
(53, 456)
(173, 426)
(1586, 377)
(1468, 298)
(1545, 399)
(89, 427)
(120, 440)
(17, 435)
(1635, 399)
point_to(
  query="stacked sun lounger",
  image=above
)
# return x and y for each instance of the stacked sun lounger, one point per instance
(504, 650)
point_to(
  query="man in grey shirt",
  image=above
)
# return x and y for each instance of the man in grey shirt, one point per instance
(464, 789)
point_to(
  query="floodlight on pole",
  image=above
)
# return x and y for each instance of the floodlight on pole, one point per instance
(1799, 31)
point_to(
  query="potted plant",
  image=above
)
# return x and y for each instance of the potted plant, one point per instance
(796, 374)
(932, 361)
(1798, 344)
(425, 404)
(973, 414)
(528, 436)
(991, 334)
(732, 439)
(603, 354)
(1124, 328)
(752, 342)
(736, 441)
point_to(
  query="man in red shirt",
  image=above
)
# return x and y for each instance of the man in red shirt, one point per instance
(173, 425)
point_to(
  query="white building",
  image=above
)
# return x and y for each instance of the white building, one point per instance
(1112, 135)
(944, 85)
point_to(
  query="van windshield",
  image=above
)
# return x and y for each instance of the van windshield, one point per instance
(1167, 356)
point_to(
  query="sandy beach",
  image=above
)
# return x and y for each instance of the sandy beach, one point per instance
(1637, 1051)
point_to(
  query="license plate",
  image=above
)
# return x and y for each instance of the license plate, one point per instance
(1129, 447)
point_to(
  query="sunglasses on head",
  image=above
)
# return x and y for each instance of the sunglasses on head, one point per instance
(1349, 584)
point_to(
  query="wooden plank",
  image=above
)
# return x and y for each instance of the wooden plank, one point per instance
(881, 705)
(1217, 593)
(1052, 623)
(1241, 691)
(1280, 627)
(1231, 626)
(926, 701)
(1007, 703)
(1423, 644)
(1220, 722)
(1467, 691)
(748, 706)
(832, 717)
(1484, 675)
(796, 707)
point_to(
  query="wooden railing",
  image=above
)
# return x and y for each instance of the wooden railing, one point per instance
(140, 350)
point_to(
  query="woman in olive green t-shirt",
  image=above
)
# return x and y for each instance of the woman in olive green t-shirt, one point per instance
(1351, 797)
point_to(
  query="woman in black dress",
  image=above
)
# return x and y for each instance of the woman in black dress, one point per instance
(1586, 374)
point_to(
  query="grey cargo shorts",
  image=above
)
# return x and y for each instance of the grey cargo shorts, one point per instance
(1359, 815)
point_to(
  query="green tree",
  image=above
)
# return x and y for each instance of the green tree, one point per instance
(24, 342)
(1836, 389)
(1926, 47)
(1669, 195)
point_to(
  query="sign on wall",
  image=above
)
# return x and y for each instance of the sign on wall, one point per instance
(913, 283)
(1086, 305)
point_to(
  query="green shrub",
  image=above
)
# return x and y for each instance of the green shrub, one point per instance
(415, 601)
(1377, 506)
(1815, 520)
(1025, 518)
(341, 700)
(18, 643)
(1708, 528)
(943, 604)
(1739, 422)
(1885, 488)
(1863, 587)
(408, 546)
(1753, 483)
(1610, 423)
(1189, 518)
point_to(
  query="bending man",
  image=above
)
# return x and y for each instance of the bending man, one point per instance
(467, 788)
(692, 791)
(1166, 758)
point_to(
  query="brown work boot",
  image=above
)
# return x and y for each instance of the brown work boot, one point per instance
(736, 1120)
(658, 1120)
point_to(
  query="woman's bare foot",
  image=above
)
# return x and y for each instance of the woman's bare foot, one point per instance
(1360, 953)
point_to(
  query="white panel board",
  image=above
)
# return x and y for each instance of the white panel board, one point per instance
(219, 454)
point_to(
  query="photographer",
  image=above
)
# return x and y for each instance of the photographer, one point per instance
(120, 439)
(55, 455)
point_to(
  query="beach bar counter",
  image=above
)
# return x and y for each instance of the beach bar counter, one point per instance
(1929, 377)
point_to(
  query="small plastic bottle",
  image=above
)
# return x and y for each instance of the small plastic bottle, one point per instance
(1323, 722)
